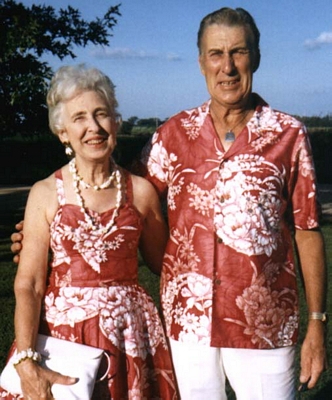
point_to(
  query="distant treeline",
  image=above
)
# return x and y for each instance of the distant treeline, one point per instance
(137, 126)
(317, 121)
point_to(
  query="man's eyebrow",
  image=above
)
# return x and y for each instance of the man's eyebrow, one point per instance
(235, 48)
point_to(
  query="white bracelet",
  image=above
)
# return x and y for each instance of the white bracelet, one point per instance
(26, 354)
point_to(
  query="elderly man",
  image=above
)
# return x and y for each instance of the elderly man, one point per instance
(240, 180)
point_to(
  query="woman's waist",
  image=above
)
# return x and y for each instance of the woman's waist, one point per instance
(57, 281)
(81, 274)
(104, 282)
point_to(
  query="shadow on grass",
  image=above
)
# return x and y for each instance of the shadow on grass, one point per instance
(12, 204)
(12, 207)
(325, 393)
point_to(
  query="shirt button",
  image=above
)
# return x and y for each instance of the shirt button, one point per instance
(217, 281)
(219, 240)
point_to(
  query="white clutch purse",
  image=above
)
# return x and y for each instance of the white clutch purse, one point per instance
(68, 358)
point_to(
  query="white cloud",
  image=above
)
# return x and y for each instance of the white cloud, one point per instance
(125, 53)
(323, 38)
(173, 57)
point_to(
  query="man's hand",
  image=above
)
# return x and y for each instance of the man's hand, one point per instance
(16, 239)
(313, 355)
(311, 251)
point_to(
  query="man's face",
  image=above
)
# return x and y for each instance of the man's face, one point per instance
(227, 61)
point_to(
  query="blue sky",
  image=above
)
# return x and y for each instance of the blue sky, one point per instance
(152, 57)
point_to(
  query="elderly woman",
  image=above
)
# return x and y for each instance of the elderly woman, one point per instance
(93, 215)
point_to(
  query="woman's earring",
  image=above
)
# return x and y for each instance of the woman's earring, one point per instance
(68, 149)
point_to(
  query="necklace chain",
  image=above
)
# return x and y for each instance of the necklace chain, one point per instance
(230, 135)
(77, 180)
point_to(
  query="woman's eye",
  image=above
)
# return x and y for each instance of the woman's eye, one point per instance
(102, 114)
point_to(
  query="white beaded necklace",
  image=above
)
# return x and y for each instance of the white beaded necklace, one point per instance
(104, 185)
(88, 219)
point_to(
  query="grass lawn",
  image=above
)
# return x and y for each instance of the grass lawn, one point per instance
(11, 211)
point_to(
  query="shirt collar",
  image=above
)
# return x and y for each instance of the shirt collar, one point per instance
(264, 119)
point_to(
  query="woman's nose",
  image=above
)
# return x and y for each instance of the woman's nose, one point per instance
(93, 124)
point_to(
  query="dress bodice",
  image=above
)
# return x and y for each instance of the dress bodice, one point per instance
(83, 257)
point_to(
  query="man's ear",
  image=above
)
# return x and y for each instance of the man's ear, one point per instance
(257, 61)
(201, 65)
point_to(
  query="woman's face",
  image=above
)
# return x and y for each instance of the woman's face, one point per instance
(89, 126)
(227, 62)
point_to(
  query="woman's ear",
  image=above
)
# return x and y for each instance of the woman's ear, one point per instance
(63, 136)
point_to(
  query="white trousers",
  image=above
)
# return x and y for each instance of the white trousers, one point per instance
(202, 371)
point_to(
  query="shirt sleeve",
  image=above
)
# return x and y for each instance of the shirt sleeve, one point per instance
(152, 164)
(305, 204)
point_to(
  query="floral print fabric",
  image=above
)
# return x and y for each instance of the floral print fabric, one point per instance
(93, 297)
(229, 275)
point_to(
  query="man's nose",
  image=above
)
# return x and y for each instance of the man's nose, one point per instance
(228, 63)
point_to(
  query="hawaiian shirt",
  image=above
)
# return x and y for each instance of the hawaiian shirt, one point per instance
(229, 275)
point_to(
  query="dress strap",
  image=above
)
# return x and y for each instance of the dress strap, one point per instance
(59, 187)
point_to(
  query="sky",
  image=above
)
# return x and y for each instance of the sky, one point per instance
(152, 57)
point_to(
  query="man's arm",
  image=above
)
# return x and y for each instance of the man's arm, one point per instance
(311, 252)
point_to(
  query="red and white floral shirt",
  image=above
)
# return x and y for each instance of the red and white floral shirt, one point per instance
(229, 277)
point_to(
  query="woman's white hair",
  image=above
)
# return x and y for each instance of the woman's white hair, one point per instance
(68, 82)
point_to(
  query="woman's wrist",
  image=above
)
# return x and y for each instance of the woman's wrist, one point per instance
(27, 354)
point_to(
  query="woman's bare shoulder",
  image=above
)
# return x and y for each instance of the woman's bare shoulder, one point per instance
(44, 187)
(142, 187)
(43, 195)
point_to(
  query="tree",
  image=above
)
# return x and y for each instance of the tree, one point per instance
(146, 126)
(125, 128)
(27, 34)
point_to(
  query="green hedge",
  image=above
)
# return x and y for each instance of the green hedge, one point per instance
(23, 162)
(321, 142)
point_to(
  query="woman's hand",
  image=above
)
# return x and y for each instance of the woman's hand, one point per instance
(37, 382)
(16, 239)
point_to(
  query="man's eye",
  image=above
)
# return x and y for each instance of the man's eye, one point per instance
(241, 51)
(216, 54)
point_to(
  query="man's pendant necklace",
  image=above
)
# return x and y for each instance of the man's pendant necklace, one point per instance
(230, 135)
